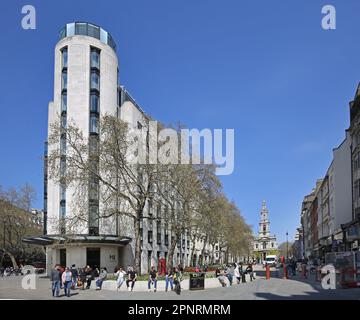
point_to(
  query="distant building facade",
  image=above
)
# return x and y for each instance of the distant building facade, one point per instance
(330, 215)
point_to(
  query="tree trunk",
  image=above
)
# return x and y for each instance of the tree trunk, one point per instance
(13, 260)
(137, 246)
(203, 250)
(171, 251)
(192, 252)
(213, 254)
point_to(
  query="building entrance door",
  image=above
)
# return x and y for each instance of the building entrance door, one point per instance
(93, 257)
(63, 257)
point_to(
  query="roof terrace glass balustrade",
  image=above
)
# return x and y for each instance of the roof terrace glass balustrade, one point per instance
(87, 29)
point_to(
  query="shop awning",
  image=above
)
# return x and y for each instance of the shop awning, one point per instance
(47, 240)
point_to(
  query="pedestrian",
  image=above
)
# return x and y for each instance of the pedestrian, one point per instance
(219, 274)
(169, 278)
(61, 269)
(82, 278)
(152, 278)
(242, 273)
(237, 273)
(101, 279)
(55, 281)
(229, 272)
(89, 276)
(75, 275)
(66, 278)
(120, 274)
(249, 270)
(132, 275)
(177, 280)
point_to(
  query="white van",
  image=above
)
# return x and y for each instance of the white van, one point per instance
(270, 260)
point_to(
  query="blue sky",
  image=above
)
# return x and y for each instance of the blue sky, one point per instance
(265, 68)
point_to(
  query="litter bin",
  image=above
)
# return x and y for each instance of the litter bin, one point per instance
(197, 281)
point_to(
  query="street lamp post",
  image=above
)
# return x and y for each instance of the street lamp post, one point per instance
(287, 246)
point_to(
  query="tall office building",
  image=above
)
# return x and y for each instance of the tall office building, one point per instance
(86, 87)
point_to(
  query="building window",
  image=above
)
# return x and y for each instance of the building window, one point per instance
(94, 220)
(150, 208)
(257, 246)
(64, 57)
(93, 31)
(94, 124)
(64, 80)
(62, 192)
(158, 231)
(63, 121)
(63, 144)
(95, 58)
(63, 102)
(139, 125)
(150, 236)
(62, 166)
(94, 80)
(93, 145)
(94, 102)
(166, 240)
(93, 191)
(62, 210)
(81, 29)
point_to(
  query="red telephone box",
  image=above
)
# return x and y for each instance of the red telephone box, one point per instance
(162, 266)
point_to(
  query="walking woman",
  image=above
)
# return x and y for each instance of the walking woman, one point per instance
(67, 281)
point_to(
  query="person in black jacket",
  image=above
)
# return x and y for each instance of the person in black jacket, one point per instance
(55, 279)
(75, 275)
(249, 270)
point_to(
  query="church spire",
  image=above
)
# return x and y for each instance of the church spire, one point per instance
(264, 212)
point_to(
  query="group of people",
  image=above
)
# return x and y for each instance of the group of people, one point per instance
(172, 278)
(6, 272)
(70, 278)
(231, 271)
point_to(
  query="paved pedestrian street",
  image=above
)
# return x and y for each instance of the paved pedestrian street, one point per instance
(260, 289)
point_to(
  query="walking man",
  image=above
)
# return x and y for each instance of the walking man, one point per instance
(55, 281)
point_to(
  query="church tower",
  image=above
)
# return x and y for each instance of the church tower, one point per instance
(264, 243)
(264, 224)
